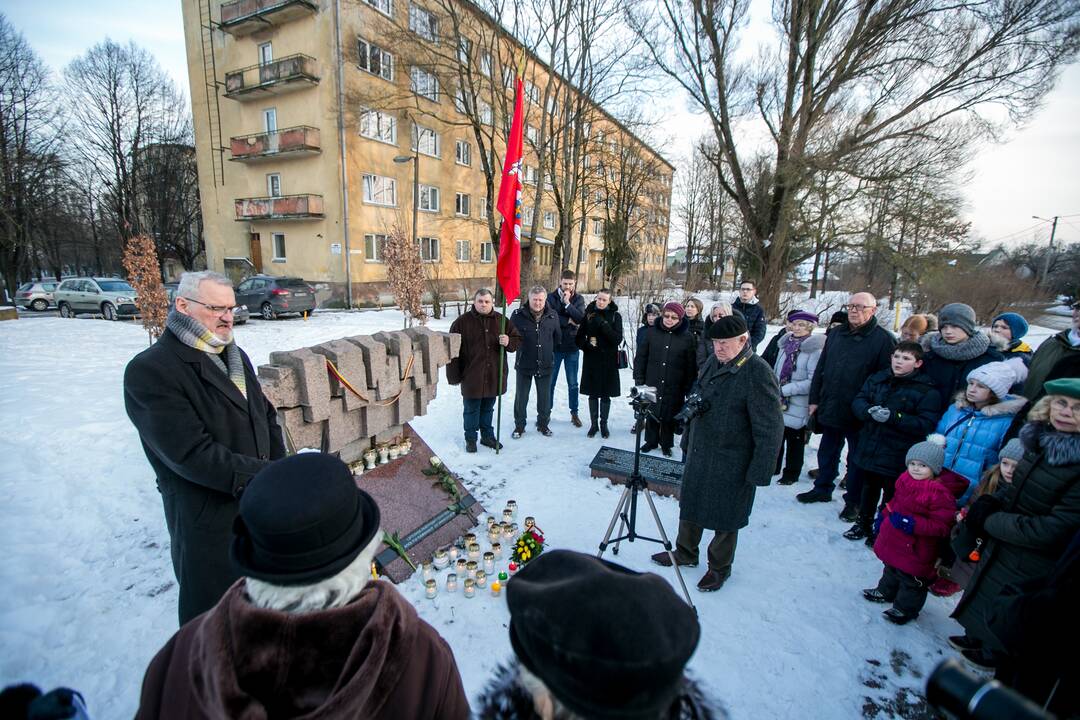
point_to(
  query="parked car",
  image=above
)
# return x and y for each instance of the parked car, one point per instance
(111, 297)
(36, 295)
(240, 317)
(271, 296)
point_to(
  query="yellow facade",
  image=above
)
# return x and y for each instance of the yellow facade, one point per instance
(273, 201)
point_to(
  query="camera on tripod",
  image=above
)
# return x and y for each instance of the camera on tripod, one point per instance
(642, 395)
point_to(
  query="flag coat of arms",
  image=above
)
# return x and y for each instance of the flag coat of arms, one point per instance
(508, 271)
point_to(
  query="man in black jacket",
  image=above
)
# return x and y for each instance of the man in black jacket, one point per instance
(570, 307)
(539, 328)
(852, 353)
(206, 428)
(747, 304)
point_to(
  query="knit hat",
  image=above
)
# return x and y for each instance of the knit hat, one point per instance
(1013, 450)
(676, 308)
(607, 642)
(728, 327)
(802, 315)
(958, 315)
(1016, 322)
(998, 376)
(838, 317)
(917, 323)
(930, 452)
(652, 309)
(1069, 387)
(283, 541)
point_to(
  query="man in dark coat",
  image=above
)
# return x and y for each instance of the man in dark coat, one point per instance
(667, 361)
(599, 339)
(747, 304)
(483, 331)
(540, 333)
(306, 633)
(206, 429)
(570, 307)
(733, 447)
(1056, 351)
(852, 353)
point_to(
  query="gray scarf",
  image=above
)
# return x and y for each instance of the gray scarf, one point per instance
(963, 351)
(194, 334)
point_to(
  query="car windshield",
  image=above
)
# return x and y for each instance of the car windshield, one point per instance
(115, 286)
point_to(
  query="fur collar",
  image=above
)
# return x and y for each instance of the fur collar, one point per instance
(505, 698)
(1008, 405)
(1061, 448)
(811, 344)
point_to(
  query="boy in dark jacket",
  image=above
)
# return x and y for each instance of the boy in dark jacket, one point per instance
(898, 407)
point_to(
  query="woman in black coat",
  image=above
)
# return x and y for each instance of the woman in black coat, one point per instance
(599, 338)
(668, 362)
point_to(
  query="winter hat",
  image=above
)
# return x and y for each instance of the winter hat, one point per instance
(1069, 387)
(652, 309)
(802, 315)
(1013, 450)
(931, 322)
(675, 308)
(728, 327)
(838, 317)
(917, 323)
(930, 452)
(998, 376)
(958, 315)
(285, 542)
(601, 658)
(1016, 322)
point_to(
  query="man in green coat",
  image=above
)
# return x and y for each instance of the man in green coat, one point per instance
(733, 445)
(1065, 344)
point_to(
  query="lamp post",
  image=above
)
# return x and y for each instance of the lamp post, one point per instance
(415, 160)
(1050, 250)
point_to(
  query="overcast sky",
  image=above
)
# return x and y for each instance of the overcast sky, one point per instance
(1036, 172)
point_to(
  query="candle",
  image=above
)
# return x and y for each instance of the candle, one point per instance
(474, 551)
(497, 549)
(452, 552)
(514, 532)
(495, 588)
(494, 534)
(441, 559)
(530, 522)
(489, 562)
(508, 515)
(460, 565)
(490, 521)
(503, 577)
(451, 583)
(481, 579)
(428, 571)
(507, 531)
(470, 587)
(431, 589)
(511, 505)
(470, 568)
(468, 539)
(513, 568)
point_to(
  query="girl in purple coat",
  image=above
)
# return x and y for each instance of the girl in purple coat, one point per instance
(921, 513)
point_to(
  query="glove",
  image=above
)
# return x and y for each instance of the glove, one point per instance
(983, 507)
(903, 523)
(879, 413)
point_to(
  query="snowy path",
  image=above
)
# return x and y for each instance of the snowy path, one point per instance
(89, 594)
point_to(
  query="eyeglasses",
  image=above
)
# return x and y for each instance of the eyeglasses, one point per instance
(671, 316)
(859, 308)
(216, 309)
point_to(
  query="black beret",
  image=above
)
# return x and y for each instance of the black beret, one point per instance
(728, 327)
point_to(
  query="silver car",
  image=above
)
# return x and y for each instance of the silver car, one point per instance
(36, 295)
(111, 297)
(240, 317)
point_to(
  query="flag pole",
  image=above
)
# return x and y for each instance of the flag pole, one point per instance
(499, 387)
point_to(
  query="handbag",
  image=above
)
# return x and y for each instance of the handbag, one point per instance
(624, 356)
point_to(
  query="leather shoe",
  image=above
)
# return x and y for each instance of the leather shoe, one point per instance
(713, 581)
(575, 420)
(814, 496)
(470, 446)
(491, 442)
(648, 447)
(850, 513)
(663, 559)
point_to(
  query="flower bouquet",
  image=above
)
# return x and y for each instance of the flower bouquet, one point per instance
(529, 544)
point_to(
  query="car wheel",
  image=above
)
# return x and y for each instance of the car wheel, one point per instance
(65, 311)
(268, 311)
(40, 305)
(109, 311)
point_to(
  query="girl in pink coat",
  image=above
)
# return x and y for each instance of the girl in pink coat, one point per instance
(921, 513)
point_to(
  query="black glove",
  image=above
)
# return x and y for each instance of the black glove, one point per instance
(983, 507)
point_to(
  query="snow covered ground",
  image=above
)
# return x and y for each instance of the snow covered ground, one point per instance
(89, 595)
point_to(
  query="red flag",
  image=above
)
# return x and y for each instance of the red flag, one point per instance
(509, 204)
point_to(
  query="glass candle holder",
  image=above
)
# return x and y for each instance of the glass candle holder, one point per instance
(452, 553)
(507, 531)
(481, 579)
(428, 571)
(496, 548)
(511, 505)
(431, 589)
(468, 539)
(494, 534)
(514, 531)
(496, 588)
(508, 515)
(440, 559)
(513, 568)
(460, 565)
(394, 451)
(470, 587)
(474, 551)
(489, 562)
(530, 522)
(470, 569)
(503, 577)
(451, 583)
(490, 521)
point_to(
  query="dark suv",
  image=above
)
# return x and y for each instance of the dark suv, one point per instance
(270, 296)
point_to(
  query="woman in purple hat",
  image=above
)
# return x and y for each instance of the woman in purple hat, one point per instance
(794, 366)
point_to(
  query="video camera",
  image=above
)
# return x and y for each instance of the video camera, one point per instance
(961, 695)
(642, 395)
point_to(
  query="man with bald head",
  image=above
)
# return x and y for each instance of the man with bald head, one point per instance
(852, 353)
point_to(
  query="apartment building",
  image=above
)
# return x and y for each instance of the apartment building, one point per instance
(299, 177)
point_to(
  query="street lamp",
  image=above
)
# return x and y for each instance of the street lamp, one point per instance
(415, 160)
(1050, 250)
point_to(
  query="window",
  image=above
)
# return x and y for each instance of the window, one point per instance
(487, 252)
(527, 216)
(279, 247)
(549, 220)
(429, 249)
(461, 101)
(486, 63)
(464, 50)
(375, 60)
(373, 247)
(597, 227)
(484, 113)
(587, 161)
(266, 54)
(386, 7)
(429, 198)
(273, 185)
(424, 84)
(463, 152)
(462, 201)
(379, 126)
(553, 106)
(587, 129)
(462, 251)
(532, 92)
(379, 190)
(533, 134)
(531, 174)
(425, 141)
(600, 169)
(270, 120)
(508, 77)
(423, 23)
(484, 209)
(598, 197)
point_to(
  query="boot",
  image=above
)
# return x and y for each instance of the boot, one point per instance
(898, 617)
(593, 428)
(470, 446)
(575, 420)
(713, 581)
(874, 595)
(491, 442)
(603, 430)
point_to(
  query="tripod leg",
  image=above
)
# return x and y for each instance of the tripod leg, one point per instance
(625, 508)
(611, 526)
(667, 546)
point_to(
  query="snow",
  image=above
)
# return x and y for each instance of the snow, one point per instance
(89, 595)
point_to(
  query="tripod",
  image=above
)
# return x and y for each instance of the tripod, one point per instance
(626, 509)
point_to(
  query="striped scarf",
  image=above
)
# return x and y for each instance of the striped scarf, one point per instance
(194, 334)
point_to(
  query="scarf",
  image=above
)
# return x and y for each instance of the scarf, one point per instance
(969, 349)
(194, 334)
(791, 347)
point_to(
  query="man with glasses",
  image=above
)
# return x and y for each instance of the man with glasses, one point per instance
(747, 304)
(852, 353)
(206, 429)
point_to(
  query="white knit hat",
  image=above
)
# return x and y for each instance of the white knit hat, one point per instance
(998, 376)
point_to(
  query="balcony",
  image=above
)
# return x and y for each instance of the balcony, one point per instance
(286, 143)
(244, 17)
(286, 75)
(284, 207)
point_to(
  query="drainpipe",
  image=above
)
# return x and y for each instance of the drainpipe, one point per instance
(341, 145)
